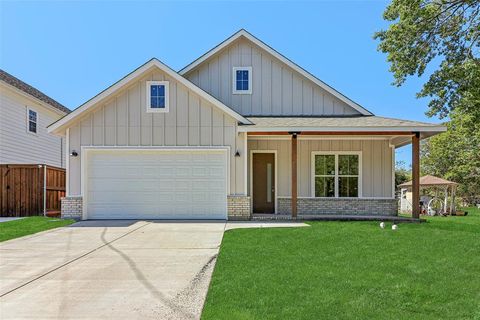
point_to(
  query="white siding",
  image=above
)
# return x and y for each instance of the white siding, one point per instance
(122, 120)
(17, 146)
(276, 89)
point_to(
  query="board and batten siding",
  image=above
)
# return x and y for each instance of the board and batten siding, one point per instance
(17, 145)
(276, 88)
(376, 163)
(122, 120)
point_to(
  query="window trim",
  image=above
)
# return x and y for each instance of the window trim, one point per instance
(336, 154)
(148, 96)
(28, 121)
(234, 80)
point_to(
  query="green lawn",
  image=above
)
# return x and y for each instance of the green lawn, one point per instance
(350, 270)
(19, 228)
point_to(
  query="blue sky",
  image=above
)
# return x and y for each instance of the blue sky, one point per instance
(73, 50)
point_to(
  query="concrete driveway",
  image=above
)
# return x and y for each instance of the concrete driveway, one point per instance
(110, 270)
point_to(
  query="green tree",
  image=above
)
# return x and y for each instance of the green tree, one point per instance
(455, 155)
(402, 174)
(444, 34)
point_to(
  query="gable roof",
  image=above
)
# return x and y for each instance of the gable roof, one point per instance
(279, 56)
(57, 126)
(28, 89)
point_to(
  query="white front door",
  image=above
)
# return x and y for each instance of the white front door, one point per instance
(155, 184)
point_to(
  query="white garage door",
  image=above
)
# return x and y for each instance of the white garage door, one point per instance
(156, 184)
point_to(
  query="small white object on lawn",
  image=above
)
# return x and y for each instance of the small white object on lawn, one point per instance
(382, 225)
(394, 227)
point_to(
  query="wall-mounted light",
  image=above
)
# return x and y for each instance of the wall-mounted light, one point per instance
(73, 153)
(237, 154)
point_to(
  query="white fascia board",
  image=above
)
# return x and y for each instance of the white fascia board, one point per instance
(283, 59)
(57, 126)
(433, 129)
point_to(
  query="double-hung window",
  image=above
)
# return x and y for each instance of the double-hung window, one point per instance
(157, 96)
(242, 80)
(32, 121)
(336, 174)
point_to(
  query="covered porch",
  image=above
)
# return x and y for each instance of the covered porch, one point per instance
(322, 168)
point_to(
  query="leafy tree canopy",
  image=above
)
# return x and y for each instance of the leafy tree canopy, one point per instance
(455, 155)
(446, 32)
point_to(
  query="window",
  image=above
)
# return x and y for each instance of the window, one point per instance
(242, 80)
(32, 120)
(157, 96)
(336, 175)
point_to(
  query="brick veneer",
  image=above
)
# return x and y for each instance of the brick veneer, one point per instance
(72, 207)
(329, 206)
(238, 207)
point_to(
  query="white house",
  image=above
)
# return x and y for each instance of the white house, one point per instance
(25, 113)
(239, 131)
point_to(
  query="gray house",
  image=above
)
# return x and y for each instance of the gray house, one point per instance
(239, 131)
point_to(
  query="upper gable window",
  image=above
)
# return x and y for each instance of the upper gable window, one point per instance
(242, 80)
(32, 120)
(157, 96)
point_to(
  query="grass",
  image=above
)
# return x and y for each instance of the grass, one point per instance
(350, 270)
(19, 228)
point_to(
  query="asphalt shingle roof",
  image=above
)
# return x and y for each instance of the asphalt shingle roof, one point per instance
(322, 122)
(19, 84)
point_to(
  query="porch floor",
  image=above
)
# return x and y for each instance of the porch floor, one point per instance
(284, 217)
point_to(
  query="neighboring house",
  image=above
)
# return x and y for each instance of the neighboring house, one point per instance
(241, 130)
(25, 113)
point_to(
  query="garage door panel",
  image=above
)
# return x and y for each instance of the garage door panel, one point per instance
(156, 184)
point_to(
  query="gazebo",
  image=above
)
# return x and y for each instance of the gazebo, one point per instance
(448, 188)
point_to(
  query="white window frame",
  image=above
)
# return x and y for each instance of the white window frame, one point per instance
(234, 80)
(28, 121)
(337, 176)
(148, 95)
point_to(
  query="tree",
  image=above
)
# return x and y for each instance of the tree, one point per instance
(455, 155)
(431, 32)
(402, 174)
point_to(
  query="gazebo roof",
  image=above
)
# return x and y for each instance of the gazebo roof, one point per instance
(429, 181)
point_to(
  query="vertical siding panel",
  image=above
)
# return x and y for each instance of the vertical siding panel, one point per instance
(214, 77)
(121, 114)
(266, 103)
(246, 61)
(146, 118)
(276, 88)
(110, 123)
(307, 98)
(74, 170)
(193, 119)
(318, 98)
(134, 116)
(225, 78)
(98, 138)
(297, 93)
(287, 108)
(257, 82)
(229, 137)
(234, 54)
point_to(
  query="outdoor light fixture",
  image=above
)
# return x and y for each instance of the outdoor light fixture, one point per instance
(237, 154)
(73, 153)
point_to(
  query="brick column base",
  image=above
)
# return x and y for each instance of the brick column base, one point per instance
(72, 207)
(238, 208)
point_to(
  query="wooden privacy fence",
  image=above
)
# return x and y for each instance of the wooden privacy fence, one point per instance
(30, 190)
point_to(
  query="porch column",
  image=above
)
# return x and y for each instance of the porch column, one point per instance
(416, 175)
(294, 174)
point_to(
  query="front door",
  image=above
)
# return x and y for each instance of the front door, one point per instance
(263, 180)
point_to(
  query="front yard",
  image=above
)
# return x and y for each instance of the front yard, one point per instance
(22, 227)
(350, 270)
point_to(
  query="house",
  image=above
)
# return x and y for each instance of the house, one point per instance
(240, 130)
(25, 114)
(32, 160)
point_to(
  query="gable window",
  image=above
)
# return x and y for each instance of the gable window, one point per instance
(242, 80)
(32, 120)
(157, 96)
(336, 174)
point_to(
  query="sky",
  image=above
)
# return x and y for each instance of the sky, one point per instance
(72, 50)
